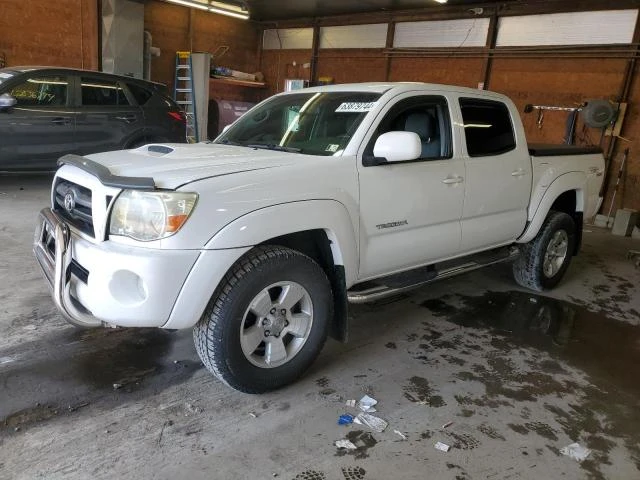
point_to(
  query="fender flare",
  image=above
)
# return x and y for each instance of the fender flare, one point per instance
(575, 181)
(274, 221)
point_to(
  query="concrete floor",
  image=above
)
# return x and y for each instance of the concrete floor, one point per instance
(519, 376)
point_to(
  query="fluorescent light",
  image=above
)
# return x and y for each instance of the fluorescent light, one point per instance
(441, 1)
(187, 3)
(242, 16)
(228, 10)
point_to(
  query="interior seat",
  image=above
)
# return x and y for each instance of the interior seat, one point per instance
(424, 125)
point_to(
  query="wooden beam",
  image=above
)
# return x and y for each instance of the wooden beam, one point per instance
(451, 12)
(315, 46)
(391, 33)
(492, 37)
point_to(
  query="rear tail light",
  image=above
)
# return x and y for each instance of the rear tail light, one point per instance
(179, 116)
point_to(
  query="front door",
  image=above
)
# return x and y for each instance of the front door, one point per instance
(41, 127)
(499, 176)
(108, 118)
(410, 211)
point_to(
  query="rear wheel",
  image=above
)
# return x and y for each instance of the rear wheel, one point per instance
(267, 322)
(544, 260)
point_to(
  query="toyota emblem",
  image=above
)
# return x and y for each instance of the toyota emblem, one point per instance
(69, 201)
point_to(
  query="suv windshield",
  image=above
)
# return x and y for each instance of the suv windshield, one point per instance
(310, 123)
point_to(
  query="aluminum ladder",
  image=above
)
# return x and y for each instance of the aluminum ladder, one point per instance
(183, 93)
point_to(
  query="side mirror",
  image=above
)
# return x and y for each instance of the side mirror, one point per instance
(398, 146)
(7, 101)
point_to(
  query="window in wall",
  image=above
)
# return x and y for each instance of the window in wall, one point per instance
(45, 91)
(102, 93)
(428, 117)
(487, 127)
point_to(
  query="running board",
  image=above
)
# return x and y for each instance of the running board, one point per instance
(377, 289)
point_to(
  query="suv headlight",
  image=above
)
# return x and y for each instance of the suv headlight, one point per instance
(148, 216)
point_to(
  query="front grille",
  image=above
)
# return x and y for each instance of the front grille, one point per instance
(73, 203)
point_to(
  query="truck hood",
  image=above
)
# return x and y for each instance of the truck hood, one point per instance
(174, 165)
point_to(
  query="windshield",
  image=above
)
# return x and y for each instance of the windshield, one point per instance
(6, 74)
(310, 123)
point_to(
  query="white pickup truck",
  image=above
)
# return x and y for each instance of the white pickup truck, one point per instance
(313, 199)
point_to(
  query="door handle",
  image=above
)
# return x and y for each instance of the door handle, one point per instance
(518, 173)
(61, 121)
(453, 180)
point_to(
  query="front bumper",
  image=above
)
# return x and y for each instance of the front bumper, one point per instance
(102, 283)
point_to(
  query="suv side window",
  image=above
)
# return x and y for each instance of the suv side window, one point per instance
(104, 93)
(487, 127)
(142, 95)
(42, 91)
(427, 116)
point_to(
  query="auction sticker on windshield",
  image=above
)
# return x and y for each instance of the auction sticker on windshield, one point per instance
(356, 107)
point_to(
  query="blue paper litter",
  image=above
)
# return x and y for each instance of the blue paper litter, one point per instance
(345, 419)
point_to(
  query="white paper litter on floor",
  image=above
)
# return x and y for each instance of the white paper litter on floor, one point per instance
(351, 403)
(442, 447)
(345, 444)
(372, 422)
(402, 435)
(575, 451)
(367, 403)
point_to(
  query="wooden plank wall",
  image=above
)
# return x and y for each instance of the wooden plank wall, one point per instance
(62, 34)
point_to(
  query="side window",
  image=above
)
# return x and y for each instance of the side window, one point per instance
(142, 95)
(45, 91)
(102, 93)
(428, 117)
(487, 127)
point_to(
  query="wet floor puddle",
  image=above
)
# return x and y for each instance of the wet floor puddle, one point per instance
(529, 348)
(76, 368)
(604, 348)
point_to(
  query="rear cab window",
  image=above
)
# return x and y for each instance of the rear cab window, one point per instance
(488, 128)
(103, 93)
(140, 94)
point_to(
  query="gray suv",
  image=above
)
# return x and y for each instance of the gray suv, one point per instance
(47, 112)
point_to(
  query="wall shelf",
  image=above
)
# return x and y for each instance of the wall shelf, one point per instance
(236, 82)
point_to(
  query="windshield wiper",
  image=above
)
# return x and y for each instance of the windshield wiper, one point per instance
(273, 146)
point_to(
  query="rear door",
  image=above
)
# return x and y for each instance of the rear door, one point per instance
(499, 175)
(107, 115)
(40, 128)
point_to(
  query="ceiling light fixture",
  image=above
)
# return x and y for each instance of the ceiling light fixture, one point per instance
(441, 1)
(214, 7)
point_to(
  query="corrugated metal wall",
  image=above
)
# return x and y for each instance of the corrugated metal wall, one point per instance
(468, 32)
(576, 28)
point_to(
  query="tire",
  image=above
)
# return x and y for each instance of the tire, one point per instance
(530, 269)
(240, 314)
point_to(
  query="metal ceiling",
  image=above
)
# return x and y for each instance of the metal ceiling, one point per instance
(269, 10)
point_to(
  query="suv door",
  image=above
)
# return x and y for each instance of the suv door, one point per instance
(40, 128)
(410, 211)
(107, 117)
(499, 176)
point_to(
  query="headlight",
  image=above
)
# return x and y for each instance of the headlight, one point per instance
(150, 216)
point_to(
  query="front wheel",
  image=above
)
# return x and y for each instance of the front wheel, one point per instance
(544, 260)
(267, 321)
